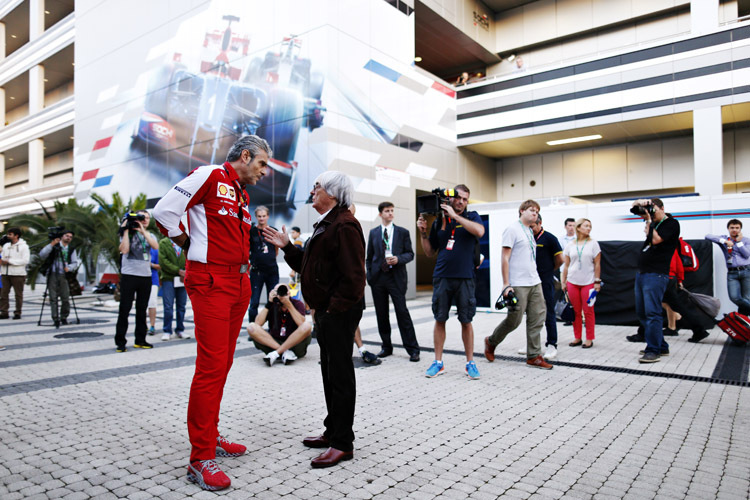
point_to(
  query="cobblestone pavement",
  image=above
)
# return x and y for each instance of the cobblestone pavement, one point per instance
(79, 420)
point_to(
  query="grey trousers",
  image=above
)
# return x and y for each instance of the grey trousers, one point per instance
(530, 301)
(58, 288)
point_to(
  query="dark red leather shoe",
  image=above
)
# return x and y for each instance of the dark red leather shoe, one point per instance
(316, 442)
(331, 457)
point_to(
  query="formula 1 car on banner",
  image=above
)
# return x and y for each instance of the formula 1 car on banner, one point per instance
(195, 116)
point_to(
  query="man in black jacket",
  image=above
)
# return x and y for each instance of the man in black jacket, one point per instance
(388, 251)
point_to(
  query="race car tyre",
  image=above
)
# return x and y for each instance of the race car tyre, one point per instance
(159, 88)
(282, 122)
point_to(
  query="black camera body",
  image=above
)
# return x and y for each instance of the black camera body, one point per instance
(5, 239)
(55, 232)
(430, 203)
(281, 291)
(510, 301)
(640, 210)
(133, 219)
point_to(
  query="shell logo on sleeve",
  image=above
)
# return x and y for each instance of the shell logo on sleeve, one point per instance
(225, 191)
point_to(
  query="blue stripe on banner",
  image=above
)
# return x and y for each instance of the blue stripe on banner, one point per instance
(719, 214)
(102, 181)
(381, 70)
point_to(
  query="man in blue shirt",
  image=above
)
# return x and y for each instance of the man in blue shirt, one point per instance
(452, 237)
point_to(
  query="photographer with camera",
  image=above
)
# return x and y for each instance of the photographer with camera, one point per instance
(15, 256)
(662, 239)
(288, 333)
(59, 259)
(453, 238)
(521, 280)
(135, 277)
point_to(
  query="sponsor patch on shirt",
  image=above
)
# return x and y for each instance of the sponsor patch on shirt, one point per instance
(225, 191)
(223, 211)
(182, 191)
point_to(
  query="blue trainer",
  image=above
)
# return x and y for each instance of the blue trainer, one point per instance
(471, 371)
(435, 369)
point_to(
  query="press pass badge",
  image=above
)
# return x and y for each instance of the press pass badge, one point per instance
(450, 244)
(282, 332)
(265, 248)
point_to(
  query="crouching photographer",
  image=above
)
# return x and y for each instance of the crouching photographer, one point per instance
(662, 239)
(59, 259)
(288, 333)
(135, 277)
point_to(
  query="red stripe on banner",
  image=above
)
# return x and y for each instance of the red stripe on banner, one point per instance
(90, 174)
(102, 143)
(445, 90)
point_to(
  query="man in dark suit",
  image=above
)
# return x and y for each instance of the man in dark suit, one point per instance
(388, 251)
(333, 285)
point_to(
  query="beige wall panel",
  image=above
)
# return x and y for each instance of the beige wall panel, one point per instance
(616, 39)
(479, 174)
(677, 162)
(532, 172)
(573, 16)
(683, 23)
(541, 57)
(659, 28)
(641, 7)
(742, 155)
(727, 143)
(552, 171)
(610, 169)
(539, 21)
(644, 166)
(499, 180)
(606, 12)
(578, 172)
(576, 49)
(728, 11)
(509, 29)
(512, 179)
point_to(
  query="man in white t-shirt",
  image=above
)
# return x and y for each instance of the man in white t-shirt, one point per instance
(520, 277)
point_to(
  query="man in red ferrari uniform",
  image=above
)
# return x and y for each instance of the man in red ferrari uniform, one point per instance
(218, 285)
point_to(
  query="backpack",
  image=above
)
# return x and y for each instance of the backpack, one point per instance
(687, 256)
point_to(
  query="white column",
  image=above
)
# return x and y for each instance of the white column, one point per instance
(36, 163)
(36, 89)
(36, 18)
(704, 16)
(2, 175)
(2, 41)
(707, 148)
(2, 107)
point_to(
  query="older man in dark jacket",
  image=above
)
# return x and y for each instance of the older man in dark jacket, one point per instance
(333, 283)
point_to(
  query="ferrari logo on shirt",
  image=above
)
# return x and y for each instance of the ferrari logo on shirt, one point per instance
(225, 191)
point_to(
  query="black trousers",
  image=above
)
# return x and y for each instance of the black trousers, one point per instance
(335, 337)
(386, 287)
(678, 300)
(140, 288)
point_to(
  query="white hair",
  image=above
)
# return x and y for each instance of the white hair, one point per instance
(338, 185)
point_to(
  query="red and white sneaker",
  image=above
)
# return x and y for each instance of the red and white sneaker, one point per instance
(224, 448)
(208, 475)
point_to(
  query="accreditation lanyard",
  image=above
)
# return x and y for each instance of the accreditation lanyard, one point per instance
(146, 252)
(580, 252)
(282, 331)
(530, 238)
(452, 239)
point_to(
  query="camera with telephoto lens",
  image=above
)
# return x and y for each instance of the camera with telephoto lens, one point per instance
(640, 210)
(510, 301)
(55, 232)
(133, 219)
(430, 203)
(281, 291)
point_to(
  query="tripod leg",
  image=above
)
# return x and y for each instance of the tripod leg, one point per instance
(44, 297)
(75, 310)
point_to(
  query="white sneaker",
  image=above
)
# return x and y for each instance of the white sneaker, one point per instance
(166, 336)
(186, 335)
(522, 351)
(271, 358)
(550, 352)
(288, 357)
(177, 335)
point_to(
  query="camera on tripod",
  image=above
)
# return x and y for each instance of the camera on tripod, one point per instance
(281, 291)
(430, 203)
(55, 232)
(133, 219)
(510, 301)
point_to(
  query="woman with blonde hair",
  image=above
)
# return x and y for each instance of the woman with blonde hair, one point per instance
(582, 275)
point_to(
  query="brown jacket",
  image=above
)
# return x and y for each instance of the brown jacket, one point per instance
(332, 266)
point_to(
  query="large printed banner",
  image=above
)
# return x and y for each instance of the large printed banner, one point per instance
(329, 84)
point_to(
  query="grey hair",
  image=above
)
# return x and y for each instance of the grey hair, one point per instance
(252, 143)
(338, 185)
(262, 208)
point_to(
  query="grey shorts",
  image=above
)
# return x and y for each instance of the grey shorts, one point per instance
(449, 291)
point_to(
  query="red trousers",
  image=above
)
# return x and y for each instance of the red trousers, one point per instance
(579, 296)
(220, 303)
